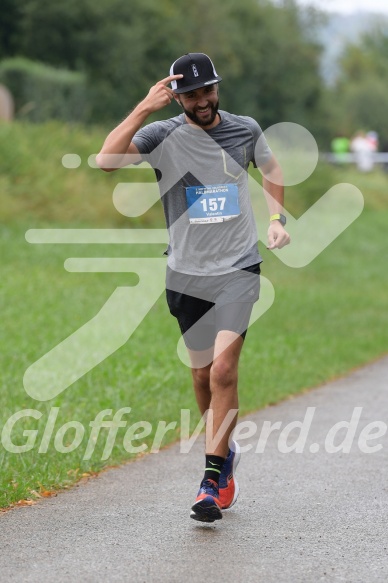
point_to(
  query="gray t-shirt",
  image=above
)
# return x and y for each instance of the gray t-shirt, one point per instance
(186, 156)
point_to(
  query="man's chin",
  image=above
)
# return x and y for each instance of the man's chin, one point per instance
(204, 121)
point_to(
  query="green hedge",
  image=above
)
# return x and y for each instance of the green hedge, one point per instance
(42, 92)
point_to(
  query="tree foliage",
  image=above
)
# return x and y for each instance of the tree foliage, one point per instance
(265, 52)
(10, 27)
(361, 92)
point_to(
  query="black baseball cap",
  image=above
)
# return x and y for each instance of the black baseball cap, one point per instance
(197, 70)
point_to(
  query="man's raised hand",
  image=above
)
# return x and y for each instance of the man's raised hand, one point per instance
(160, 95)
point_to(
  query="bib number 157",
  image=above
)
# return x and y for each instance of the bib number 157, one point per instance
(213, 204)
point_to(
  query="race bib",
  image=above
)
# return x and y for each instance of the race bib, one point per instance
(212, 204)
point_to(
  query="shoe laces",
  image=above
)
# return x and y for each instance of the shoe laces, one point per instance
(210, 487)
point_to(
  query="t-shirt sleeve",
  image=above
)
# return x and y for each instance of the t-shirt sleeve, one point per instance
(146, 139)
(149, 138)
(261, 151)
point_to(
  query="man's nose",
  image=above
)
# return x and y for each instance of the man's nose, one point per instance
(202, 101)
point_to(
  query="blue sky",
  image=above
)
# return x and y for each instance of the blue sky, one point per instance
(348, 6)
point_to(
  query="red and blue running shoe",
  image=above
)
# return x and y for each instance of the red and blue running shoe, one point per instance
(207, 506)
(228, 487)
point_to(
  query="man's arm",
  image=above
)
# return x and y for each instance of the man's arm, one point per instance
(274, 194)
(119, 141)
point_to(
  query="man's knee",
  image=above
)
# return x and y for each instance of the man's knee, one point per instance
(223, 373)
(201, 376)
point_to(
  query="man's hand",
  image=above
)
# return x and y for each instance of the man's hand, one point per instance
(277, 236)
(160, 95)
(119, 141)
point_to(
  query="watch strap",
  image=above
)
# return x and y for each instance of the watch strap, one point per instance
(278, 217)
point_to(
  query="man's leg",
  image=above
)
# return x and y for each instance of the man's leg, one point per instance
(201, 376)
(215, 373)
(223, 407)
(215, 387)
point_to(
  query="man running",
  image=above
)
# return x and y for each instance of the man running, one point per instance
(201, 158)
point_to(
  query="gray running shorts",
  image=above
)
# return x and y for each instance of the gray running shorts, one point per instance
(205, 305)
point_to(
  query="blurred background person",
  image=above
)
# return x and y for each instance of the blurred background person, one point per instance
(363, 150)
(340, 148)
(373, 139)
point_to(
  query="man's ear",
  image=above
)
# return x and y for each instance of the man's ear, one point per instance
(176, 97)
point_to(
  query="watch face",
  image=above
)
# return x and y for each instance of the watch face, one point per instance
(283, 220)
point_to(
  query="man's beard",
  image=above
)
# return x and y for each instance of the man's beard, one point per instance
(201, 122)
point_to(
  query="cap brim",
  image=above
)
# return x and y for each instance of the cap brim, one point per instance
(197, 85)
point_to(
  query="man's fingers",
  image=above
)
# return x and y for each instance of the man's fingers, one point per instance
(168, 80)
(277, 240)
(271, 242)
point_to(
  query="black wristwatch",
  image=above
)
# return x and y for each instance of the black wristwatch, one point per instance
(278, 217)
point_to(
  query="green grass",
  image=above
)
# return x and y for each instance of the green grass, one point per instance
(327, 317)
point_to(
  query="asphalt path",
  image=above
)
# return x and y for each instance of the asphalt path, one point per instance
(301, 517)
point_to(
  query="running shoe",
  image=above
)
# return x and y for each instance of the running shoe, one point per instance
(228, 487)
(207, 506)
